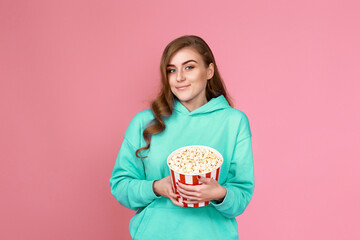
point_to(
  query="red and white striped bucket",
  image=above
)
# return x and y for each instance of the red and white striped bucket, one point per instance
(192, 179)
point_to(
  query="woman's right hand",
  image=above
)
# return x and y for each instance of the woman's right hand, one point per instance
(164, 188)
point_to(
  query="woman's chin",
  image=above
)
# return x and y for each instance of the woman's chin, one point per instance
(183, 97)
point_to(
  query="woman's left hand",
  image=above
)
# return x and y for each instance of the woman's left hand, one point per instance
(208, 189)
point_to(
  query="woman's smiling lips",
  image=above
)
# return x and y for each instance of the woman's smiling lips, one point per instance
(182, 87)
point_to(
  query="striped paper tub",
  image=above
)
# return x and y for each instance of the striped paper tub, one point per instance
(191, 179)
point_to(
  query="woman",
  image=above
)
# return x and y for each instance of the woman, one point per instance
(193, 108)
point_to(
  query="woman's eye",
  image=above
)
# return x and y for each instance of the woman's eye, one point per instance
(189, 67)
(170, 70)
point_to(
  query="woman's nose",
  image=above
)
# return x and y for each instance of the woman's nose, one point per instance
(180, 76)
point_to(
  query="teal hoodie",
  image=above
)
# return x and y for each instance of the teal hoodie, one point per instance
(215, 124)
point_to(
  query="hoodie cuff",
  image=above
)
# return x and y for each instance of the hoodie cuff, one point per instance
(226, 203)
(149, 194)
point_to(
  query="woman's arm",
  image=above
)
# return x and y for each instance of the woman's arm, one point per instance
(128, 184)
(240, 183)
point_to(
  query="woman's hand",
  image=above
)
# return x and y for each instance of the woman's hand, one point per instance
(164, 188)
(209, 189)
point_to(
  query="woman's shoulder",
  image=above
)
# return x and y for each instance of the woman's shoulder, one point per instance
(240, 121)
(236, 114)
(144, 115)
(137, 125)
(141, 119)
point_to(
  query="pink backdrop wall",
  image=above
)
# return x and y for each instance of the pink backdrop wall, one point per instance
(73, 74)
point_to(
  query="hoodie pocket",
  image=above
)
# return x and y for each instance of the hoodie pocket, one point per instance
(139, 223)
(185, 223)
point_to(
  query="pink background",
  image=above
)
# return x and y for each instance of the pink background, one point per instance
(73, 74)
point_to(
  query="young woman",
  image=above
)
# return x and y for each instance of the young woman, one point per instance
(193, 108)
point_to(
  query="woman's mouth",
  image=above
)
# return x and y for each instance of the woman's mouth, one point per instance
(182, 87)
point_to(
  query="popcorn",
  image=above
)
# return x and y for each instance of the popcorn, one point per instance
(194, 160)
(186, 164)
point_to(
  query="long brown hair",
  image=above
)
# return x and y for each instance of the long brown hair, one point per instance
(162, 106)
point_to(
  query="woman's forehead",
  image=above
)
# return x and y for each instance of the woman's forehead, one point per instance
(183, 55)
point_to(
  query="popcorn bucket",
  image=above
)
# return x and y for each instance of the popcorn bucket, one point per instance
(192, 178)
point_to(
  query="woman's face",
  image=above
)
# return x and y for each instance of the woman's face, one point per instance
(188, 75)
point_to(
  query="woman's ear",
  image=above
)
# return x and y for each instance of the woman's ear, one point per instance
(210, 71)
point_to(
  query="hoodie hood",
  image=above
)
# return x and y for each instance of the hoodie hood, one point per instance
(215, 104)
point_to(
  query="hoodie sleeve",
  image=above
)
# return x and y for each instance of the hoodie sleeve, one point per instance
(240, 181)
(128, 181)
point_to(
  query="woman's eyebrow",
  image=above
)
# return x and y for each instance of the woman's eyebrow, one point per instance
(191, 60)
